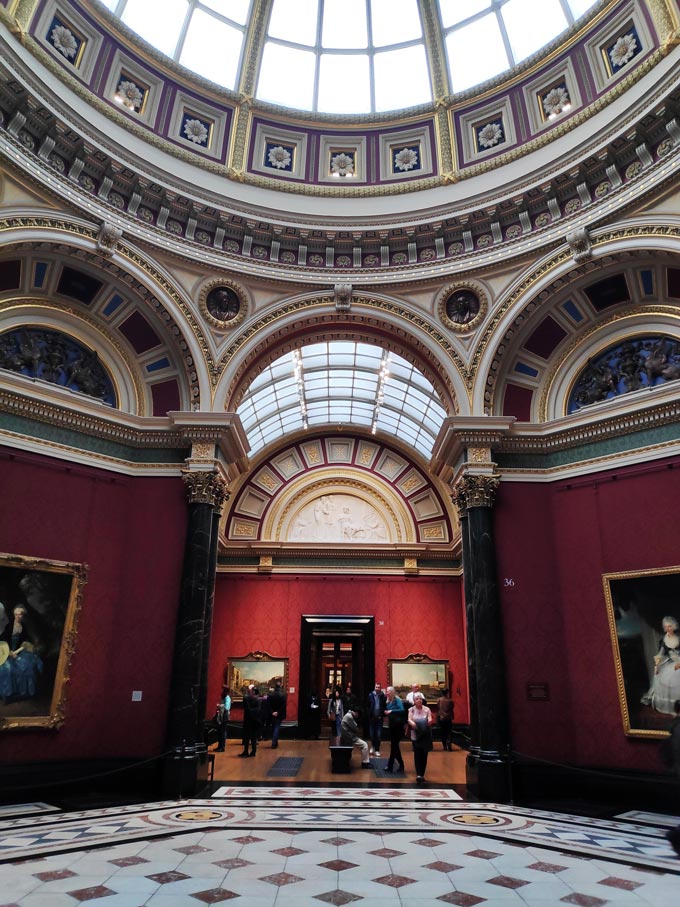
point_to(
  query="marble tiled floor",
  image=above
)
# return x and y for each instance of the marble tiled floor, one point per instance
(297, 845)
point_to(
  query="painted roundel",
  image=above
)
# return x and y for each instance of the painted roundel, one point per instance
(223, 303)
(461, 306)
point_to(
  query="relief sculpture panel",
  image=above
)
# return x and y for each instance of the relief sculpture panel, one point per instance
(339, 518)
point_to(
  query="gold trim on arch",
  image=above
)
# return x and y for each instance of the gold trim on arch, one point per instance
(411, 347)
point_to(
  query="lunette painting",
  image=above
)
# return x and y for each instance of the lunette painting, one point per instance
(39, 606)
(644, 620)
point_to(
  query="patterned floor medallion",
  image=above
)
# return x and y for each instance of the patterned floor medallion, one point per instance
(298, 846)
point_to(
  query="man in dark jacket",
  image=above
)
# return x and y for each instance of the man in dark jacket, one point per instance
(277, 711)
(252, 720)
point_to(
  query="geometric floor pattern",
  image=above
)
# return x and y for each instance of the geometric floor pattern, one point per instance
(288, 847)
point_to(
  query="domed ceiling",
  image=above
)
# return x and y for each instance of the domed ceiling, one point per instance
(359, 56)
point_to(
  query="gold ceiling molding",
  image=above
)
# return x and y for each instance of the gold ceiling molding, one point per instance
(49, 306)
(129, 282)
(399, 340)
(666, 20)
(632, 315)
(599, 241)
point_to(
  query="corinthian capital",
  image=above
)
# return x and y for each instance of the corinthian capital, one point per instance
(475, 491)
(205, 488)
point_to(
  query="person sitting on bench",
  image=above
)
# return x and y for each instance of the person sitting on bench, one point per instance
(349, 735)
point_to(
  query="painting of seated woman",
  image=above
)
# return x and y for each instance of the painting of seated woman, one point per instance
(39, 602)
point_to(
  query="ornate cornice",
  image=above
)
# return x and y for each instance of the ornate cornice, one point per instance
(547, 439)
(149, 435)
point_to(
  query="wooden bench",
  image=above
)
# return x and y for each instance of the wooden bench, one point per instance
(341, 757)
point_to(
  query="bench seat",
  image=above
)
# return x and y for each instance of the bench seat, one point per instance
(341, 757)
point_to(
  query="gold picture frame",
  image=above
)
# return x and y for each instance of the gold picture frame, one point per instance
(259, 668)
(430, 674)
(637, 604)
(38, 643)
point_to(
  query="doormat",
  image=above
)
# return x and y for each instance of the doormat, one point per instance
(285, 766)
(380, 769)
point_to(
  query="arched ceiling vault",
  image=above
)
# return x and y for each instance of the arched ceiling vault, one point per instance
(129, 311)
(415, 338)
(627, 283)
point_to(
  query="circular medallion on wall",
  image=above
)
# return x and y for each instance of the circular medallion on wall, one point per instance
(461, 306)
(223, 303)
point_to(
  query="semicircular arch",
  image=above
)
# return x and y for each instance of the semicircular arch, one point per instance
(543, 315)
(377, 319)
(64, 276)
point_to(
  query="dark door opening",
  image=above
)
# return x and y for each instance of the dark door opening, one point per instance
(334, 651)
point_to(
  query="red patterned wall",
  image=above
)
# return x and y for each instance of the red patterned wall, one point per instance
(130, 532)
(554, 542)
(414, 614)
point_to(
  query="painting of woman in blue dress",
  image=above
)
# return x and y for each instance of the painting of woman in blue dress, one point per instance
(39, 604)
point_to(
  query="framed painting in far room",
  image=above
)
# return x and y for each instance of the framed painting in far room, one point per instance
(643, 609)
(39, 606)
(432, 676)
(259, 668)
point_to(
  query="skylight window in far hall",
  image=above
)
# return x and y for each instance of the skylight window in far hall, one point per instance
(342, 383)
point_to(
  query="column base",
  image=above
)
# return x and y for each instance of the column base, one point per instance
(494, 778)
(472, 772)
(185, 772)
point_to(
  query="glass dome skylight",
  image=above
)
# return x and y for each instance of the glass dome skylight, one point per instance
(358, 56)
(342, 383)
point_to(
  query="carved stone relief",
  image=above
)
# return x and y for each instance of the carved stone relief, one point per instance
(339, 518)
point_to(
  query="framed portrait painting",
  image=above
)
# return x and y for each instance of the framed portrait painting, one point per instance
(258, 668)
(39, 606)
(431, 676)
(644, 620)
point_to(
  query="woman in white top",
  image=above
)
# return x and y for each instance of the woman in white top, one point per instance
(420, 721)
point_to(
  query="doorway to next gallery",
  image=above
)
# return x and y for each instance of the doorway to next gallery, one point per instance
(334, 651)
